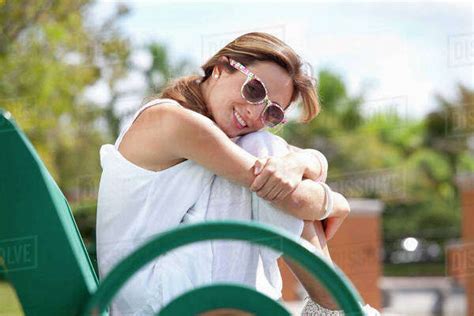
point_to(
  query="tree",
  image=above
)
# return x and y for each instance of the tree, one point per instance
(49, 54)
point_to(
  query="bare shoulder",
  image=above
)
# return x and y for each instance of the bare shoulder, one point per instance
(151, 138)
(172, 117)
(182, 125)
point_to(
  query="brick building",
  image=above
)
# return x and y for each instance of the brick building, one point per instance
(460, 256)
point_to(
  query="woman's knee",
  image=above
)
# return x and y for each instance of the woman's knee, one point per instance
(263, 143)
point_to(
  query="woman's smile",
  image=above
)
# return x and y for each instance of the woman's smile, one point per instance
(238, 120)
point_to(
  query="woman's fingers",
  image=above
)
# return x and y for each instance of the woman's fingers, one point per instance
(259, 165)
(270, 184)
(261, 177)
(276, 191)
(283, 193)
(259, 181)
(332, 225)
(276, 180)
(273, 187)
(287, 188)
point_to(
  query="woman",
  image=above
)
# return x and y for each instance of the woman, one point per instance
(162, 162)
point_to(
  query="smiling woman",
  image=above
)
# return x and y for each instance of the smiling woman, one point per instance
(156, 175)
(274, 63)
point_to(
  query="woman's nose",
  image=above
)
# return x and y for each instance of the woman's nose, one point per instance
(253, 112)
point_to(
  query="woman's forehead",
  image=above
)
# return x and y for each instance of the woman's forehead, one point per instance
(276, 79)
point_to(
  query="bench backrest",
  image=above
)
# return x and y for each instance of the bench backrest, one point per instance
(41, 250)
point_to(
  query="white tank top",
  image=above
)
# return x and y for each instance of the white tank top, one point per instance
(133, 205)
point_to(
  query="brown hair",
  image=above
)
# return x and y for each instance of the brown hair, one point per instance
(247, 49)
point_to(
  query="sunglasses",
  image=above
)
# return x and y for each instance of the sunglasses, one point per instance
(253, 91)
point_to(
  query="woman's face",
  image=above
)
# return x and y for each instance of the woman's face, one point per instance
(223, 96)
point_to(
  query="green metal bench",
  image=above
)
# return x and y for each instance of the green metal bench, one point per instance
(44, 258)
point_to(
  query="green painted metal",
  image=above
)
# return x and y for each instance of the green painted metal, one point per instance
(216, 296)
(41, 251)
(332, 278)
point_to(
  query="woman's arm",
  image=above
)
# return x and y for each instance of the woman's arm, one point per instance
(187, 134)
(314, 233)
(183, 133)
(288, 170)
(309, 197)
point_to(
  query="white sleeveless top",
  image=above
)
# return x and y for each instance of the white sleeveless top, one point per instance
(134, 204)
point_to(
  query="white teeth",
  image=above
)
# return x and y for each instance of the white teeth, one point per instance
(241, 120)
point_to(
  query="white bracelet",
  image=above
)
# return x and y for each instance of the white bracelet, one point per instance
(329, 200)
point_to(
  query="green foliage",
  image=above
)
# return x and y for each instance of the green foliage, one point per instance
(49, 56)
(332, 90)
(161, 69)
(411, 269)
(9, 300)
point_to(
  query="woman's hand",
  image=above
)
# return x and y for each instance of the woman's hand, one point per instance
(340, 211)
(276, 177)
(315, 162)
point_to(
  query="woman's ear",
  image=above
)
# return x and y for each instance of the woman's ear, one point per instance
(221, 65)
(216, 72)
(224, 59)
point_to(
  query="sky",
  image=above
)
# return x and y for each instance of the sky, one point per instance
(399, 54)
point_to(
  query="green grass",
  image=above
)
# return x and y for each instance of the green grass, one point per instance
(9, 304)
(414, 269)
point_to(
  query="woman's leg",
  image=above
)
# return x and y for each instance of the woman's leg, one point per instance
(314, 233)
(229, 201)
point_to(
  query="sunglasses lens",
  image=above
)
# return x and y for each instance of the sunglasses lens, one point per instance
(273, 115)
(254, 91)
